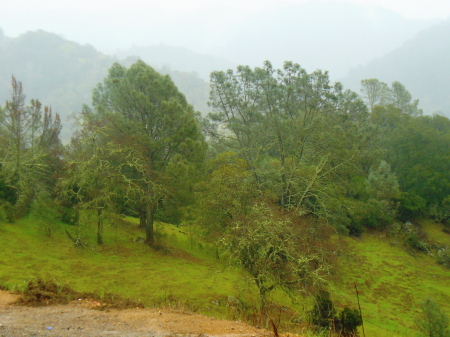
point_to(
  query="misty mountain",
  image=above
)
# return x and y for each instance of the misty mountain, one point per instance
(332, 36)
(421, 64)
(177, 58)
(58, 72)
(62, 73)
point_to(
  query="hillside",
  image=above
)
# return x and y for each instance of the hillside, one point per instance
(421, 64)
(186, 274)
(62, 73)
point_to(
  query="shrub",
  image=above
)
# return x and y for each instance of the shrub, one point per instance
(323, 316)
(349, 322)
(323, 312)
(433, 321)
(443, 257)
(411, 206)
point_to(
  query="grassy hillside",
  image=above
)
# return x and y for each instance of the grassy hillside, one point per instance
(185, 272)
(392, 281)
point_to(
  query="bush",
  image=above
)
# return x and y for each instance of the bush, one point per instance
(349, 322)
(44, 212)
(323, 317)
(6, 211)
(411, 206)
(323, 312)
(443, 257)
(379, 214)
(433, 321)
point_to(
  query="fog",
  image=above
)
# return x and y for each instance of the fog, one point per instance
(189, 39)
(329, 35)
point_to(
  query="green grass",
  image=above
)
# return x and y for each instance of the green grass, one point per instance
(392, 283)
(192, 277)
(185, 273)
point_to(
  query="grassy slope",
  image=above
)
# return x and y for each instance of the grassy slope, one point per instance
(392, 283)
(195, 280)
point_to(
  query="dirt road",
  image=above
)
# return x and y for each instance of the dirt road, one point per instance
(79, 319)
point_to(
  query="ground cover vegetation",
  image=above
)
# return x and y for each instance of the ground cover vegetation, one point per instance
(279, 179)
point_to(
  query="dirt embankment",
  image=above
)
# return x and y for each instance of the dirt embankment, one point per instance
(79, 318)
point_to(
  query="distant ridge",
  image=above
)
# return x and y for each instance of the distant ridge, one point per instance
(62, 73)
(177, 58)
(422, 64)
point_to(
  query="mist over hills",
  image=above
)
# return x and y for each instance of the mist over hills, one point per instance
(178, 58)
(318, 35)
(62, 73)
(333, 36)
(421, 64)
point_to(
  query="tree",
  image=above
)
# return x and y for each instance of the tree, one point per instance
(275, 253)
(30, 136)
(146, 112)
(278, 121)
(377, 93)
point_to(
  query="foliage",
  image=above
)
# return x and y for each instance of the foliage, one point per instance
(382, 183)
(323, 313)
(411, 206)
(31, 146)
(433, 321)
(44, 212)
(226, 194)
(379, 93)
(410, 235)
(443, 256)
(278, 121)
(323, 316)
(349, 322)
(274, 254)
(152, 136)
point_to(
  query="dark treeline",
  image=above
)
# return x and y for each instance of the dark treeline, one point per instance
(284, 160)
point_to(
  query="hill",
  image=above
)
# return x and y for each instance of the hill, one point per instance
(62, 73)
(421, 64)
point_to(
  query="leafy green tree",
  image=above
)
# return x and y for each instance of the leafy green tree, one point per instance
(278, 121)
(433, 321)
(147, 113)
(376, 93)
(226, 194)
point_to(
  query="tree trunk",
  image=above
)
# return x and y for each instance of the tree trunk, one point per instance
(149, 231)
(99, 227)
(142, 219)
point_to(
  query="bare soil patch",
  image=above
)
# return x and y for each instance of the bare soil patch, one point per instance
(78, 318)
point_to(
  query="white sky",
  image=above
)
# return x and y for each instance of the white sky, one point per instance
(109, 24)
(411, 8)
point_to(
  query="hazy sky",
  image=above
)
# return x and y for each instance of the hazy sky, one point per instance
(112, 24)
